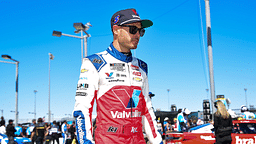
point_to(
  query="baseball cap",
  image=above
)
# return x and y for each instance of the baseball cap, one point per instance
(128, 16)
(165, 119)
(151, 94)
(244, 108)
(10, 120)
(186, 111)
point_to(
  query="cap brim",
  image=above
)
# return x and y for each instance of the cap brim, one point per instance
(146, 23)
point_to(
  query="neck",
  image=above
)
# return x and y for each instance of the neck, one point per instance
(120, 48)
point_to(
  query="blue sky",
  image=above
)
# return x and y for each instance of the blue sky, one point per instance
(172, 47)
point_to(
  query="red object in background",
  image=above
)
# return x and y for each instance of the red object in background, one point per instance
(209, 138)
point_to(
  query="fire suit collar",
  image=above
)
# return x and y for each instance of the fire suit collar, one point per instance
(118, 55)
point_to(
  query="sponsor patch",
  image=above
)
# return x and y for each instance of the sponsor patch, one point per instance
(117, 67)
(136, 73)
(120, 75)
(124, 114)
(135, 67)
(117, 80)
(137, 79)
(112, 129)
(81, 94)
(134, 130)
(109, 75)
(116, 19)
(82, 86)
(97, 61)
(83, 78)
(84, 70)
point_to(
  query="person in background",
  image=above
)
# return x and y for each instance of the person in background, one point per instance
(2, 129)
(175, 125)
(64, 130)
(72, 131)
(159, 127)
(19, 132)
(222, 124)
(166, 124)
(48, 134)
(31, 128)
(54, 131)
(246, 115)
(10, 130)
(199, 121)
(182, 122)
(2, 122)
(39, 131)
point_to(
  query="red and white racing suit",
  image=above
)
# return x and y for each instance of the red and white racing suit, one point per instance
(119, 83)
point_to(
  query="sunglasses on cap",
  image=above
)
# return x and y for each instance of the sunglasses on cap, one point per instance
(134, 29)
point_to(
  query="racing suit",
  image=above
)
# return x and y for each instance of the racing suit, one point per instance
(248, 115)
(119, 84)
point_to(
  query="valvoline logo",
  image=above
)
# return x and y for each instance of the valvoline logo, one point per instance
(109, 75)
(127, 100)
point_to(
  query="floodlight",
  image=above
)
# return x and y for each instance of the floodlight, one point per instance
(79, 26)
(6, 57)
(56, 33)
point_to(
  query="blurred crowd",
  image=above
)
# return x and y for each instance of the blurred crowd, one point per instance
(40, 132)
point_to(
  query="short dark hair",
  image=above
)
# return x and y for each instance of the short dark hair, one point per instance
(39, 120)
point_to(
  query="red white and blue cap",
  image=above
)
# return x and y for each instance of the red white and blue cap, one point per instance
(128, 16)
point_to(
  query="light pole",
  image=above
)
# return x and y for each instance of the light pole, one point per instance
(80, 27)
(245, 90)
(168, 90)
(51, 57)
(210, 57)
(17, 77)
(35, 91)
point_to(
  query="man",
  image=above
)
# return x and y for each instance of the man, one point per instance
(246, 114)
(10, 130)
(31, 128)
(2, 122)
(19, 131)
(166, 124)
(39, 131)
(64, 131)
(183, 120)
(54, 132)
(119, 83)
(72, 131)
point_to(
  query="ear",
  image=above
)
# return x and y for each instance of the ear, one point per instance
(115, 29)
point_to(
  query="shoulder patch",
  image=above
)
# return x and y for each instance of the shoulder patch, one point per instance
(97, 61)
(143, 66)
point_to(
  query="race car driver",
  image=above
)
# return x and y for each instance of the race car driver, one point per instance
(119, 83)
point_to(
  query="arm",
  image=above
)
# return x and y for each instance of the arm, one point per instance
(149, 121)
(216, 124)
(86, 90)
(33, 133)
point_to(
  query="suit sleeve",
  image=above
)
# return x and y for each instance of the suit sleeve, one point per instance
(149, 118)
(85, 94)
